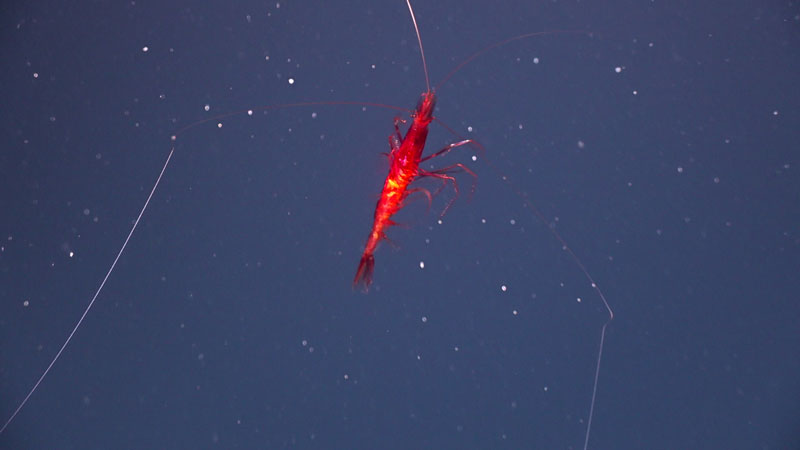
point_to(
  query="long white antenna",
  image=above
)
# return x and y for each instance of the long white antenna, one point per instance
(96, 294)
(421, 50)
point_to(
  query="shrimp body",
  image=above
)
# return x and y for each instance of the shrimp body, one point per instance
(404, 158)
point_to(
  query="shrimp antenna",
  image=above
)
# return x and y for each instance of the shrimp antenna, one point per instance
(421, 50)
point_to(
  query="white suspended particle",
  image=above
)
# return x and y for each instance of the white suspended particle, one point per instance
(422, 264)
(291, 80)
(504, 288)
(145, 49)
(424, 319)
(207, 107)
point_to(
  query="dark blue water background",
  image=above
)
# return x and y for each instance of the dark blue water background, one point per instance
(663, 147)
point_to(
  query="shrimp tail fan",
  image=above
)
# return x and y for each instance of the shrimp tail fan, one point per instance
(364, 273)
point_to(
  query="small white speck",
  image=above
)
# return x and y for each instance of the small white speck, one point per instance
(424, 319)
(578, 299)
(35, 75)
(26, 303)
(422, 264)
(635, 92)
(145, 49)
(504, 288)
(291, 80)
(219, 125)
(313, 115)
(207, 107)
(469, 129)
(536, 60)
(71, 254)
(618, 69)
(775, 113)
(249, 112)
(680, 169)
